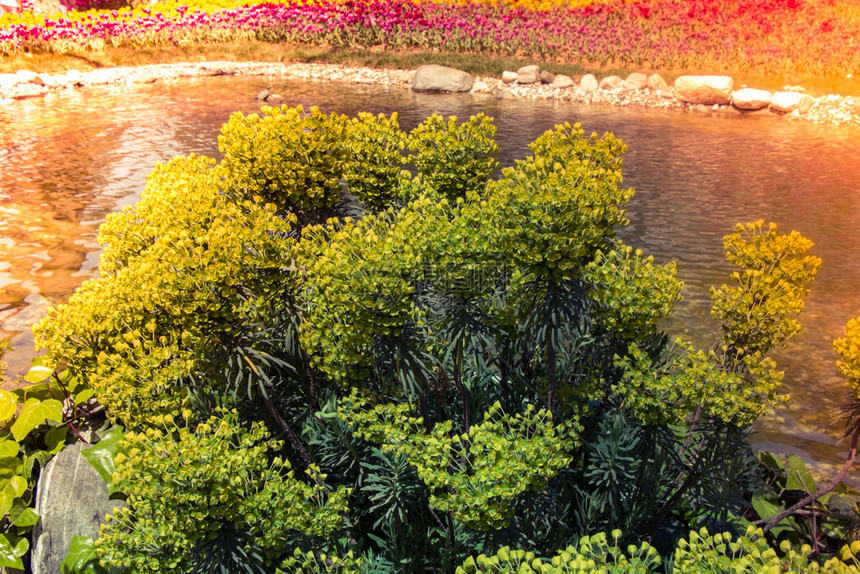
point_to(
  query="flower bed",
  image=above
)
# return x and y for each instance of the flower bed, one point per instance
(766, 36)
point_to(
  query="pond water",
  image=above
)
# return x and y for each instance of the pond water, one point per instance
(68, 160)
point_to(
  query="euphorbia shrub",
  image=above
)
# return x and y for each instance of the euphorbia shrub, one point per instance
(478, 362)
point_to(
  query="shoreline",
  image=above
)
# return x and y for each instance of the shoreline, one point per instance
(828, 109)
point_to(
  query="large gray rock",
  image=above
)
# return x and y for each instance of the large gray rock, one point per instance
(588, 83)
(706, 90)
(635, 81)
(528, 75)
(72, 500)
(656, 82)
(750, 99)
(787, 102)
(435, 78)
(509, 77)
(562, 81)
(610, 82)
(546, 77)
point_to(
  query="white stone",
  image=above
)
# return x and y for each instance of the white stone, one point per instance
(73, 77)
(635, 81)
(610, 82)
(706, 90)
(588, 83)
(480, 87)
(787, 102)
(750, 99)
(509, 77)
(528, 75)
(656, 82)
(28, 77)
(432, 77)
(562, 81)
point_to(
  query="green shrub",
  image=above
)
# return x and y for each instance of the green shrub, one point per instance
(473, 363)
(217, 489)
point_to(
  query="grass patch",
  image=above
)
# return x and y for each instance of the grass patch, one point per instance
(477, 64)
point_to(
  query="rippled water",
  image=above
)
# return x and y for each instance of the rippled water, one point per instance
(68, 160)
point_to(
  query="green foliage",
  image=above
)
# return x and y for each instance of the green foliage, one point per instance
(827, 522)
(737, 382)
(757, 313)
(697, 554)
(631, 293)
(34, 423)
(82, 558)
(552, 212)
(477, 476)
(848, 348)
(291, 159)
(594, 554)
(361, 286)
(750, 554)
(374, 173)
(454, 160)
(193, 492)
(320, 562)
(524, 392)
(184, 272)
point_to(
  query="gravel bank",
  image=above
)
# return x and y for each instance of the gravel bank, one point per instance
(831, 109)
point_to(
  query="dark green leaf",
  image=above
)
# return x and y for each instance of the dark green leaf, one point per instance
(12, 549)
(101, 455)
(82, 558)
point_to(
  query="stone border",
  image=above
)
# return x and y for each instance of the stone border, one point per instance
(529, 82)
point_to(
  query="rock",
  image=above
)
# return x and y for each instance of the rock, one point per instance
(509, 77)
(73, 77)
(145, 77)
(503, 94)
(435, 78)
(635, 81)
(528, 75)
(480, 87)
(787, 102)
(798, 89)
(28, 77)
(588, 83)
(72, 500)
(750, 99)
(546, 77)
(610, 83)
(656, 82)
(706, 90)
(562, 81)
(28, 91)
(262, 95)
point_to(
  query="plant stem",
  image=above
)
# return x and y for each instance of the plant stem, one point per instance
(551, 376)
(294, 439)
(771, 522)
